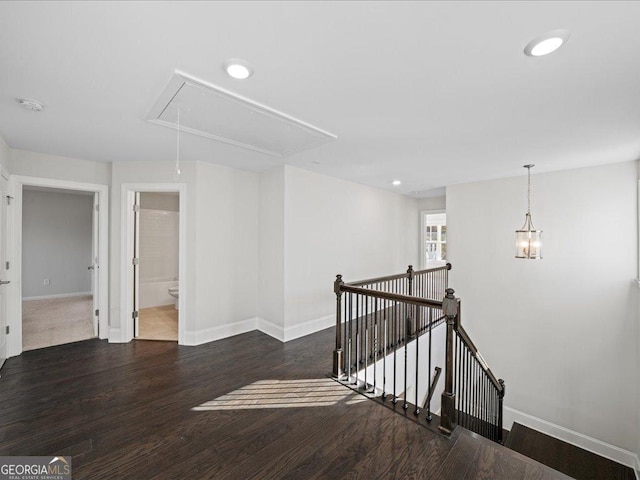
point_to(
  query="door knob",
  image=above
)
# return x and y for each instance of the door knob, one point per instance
(90, 267)
(3, 282)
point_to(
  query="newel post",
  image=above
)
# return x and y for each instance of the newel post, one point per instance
(410, 314)
(500, 407)
(448, 415)
(338, 355)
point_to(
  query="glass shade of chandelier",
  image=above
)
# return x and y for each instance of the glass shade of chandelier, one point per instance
(528, 239)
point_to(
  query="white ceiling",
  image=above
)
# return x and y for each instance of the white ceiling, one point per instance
(432, 93)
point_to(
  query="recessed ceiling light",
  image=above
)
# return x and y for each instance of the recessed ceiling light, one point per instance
(395, 183)
(30, 104)
(547, 43)
(238, 68)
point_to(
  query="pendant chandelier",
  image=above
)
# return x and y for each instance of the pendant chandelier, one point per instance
(528, 239)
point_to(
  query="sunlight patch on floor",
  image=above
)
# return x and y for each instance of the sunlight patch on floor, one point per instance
(314, 392)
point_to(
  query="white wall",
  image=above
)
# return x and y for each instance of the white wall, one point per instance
(432, 203)
(226, 249)
(563, 331)
(56, 243)
(4, 155)
(221, 245)
(334, 227)
(271, 239)
(22, 162)
(151, 172)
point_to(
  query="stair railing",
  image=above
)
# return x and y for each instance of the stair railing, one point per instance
(473, 396)
(376, 318)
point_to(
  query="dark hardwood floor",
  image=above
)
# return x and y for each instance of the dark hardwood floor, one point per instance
(152, 410)
(574, 461)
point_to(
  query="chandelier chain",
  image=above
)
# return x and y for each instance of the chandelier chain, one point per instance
(529, 190)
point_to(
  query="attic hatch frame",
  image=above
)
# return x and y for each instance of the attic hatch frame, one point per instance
(180, 79)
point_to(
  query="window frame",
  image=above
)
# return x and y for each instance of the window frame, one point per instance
(423, 235)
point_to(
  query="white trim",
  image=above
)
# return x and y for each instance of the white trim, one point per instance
(220, 332)
(115, 336)
(14, 253)
(270, 328)
(585, 442)
(126, 254)
(59, 295)
(309, 327)
(423, 240)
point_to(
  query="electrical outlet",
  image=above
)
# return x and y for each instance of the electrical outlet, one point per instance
(46, 282)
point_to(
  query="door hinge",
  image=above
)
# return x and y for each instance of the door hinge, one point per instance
(134, 315)
(136, 208)
(135, 261)
(97, 312)
(6, 265)
(9, 198)
(97, 208)
(7, 330)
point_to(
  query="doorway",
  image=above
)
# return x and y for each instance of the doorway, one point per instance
(4, 282)
(38, 276)
(156, 289)
(58, 265)
(140, 288)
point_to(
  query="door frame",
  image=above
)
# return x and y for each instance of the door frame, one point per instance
(126, 254)
(14, 254)
(4, 243)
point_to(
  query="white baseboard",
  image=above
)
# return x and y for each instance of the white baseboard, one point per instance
(59, 295)
(115, 335)
(219, 332)
(271, 329)
(585, 442)
(256, 323)
(309, 327)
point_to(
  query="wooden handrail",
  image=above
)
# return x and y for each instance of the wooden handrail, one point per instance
(424, 302)
(435, 269)
(378, 280)
(397, 276)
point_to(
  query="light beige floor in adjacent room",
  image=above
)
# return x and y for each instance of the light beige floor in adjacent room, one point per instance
(55, 321)
(158, 323)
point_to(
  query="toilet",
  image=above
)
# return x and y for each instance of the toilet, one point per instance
(173, 291)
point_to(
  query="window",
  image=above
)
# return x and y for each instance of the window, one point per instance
(435, 237)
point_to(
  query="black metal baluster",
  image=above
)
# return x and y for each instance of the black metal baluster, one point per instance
(417, 340)
(366, 342)
(468, 386)
(405, 321)
(430, 324)
(395, 350)
(458, 391)
(348, 336)
(376, 332)
(384, 353)
(358, 340)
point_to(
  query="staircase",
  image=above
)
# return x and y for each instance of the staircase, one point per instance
(396, 334)
(387, 349)
(564, 457)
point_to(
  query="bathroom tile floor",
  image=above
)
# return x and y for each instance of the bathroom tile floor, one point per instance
(158, 323)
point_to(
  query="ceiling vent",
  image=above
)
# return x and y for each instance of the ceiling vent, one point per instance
(210, 111)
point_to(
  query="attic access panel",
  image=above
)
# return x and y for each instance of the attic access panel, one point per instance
(213, 112)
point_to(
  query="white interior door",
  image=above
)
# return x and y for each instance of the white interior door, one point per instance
(3, 269)
(136, 263)
(95, 265)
